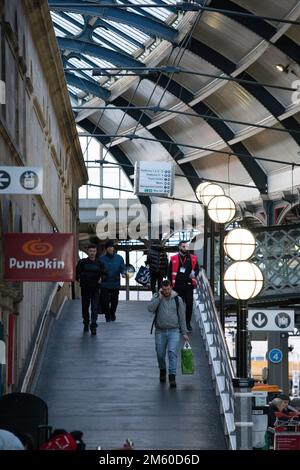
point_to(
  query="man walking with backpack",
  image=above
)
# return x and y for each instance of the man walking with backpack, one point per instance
(169, 324)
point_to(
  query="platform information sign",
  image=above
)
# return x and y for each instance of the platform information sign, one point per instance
(271, 320)
(275, 356)
(21, 180)
(154, 179)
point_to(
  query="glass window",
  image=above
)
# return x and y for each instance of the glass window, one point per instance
(82, 192)
(93, 149)
(94, 175)
(93, 192)
(111, 177)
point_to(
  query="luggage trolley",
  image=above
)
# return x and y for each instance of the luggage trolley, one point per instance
(286, 431)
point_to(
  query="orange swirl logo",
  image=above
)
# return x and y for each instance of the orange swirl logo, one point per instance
(37, 248)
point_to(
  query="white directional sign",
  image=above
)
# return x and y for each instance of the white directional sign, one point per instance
(154, 178)
(21, 180)
(271, 320)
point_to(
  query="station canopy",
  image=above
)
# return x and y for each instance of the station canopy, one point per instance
(210, 85)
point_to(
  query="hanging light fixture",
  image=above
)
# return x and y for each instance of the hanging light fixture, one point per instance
(243, 280)
(239, 244)
(221, 209)
(200, 188)
(206, 191)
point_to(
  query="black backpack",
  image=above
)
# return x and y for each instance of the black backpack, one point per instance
(156, 311)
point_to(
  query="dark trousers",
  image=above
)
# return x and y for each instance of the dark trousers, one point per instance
(89, 297)
(186, 294)
(155, 280)
(109, 299)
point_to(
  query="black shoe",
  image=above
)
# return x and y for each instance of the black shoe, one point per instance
(162, 375)
(93, 330)
(172, 381)
(86, 327)
(189, 326)
(107, 319)
(113, 317)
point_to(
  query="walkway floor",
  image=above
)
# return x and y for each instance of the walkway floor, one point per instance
(107, 385)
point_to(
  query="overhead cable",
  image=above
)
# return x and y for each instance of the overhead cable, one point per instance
(197, 147)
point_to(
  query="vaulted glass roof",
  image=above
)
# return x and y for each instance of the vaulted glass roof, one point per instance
(208, 84)
(125, 36)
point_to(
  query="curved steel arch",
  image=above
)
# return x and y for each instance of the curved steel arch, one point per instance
(87, 85)
(86, 34)
(260, 27)
(147, 25)
(100, 52)
(157, 132)
(187, 168)
(261, 94)
(251, 166)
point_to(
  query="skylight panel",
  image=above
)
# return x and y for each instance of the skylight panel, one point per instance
(99, 62)
(76, 17)
(58, 32)
(117, 40)
(135, 33)
(68, 25)
(97, 39)
(74, 90)
(159, 13)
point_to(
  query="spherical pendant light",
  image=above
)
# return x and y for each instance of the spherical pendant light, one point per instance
(239, 244)
(221, 209)
(243, 280)
(207, 191)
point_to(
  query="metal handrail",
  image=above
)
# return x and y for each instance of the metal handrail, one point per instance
(218, 355)
(39, 336)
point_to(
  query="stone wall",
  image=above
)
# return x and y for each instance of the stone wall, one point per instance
(36, 128)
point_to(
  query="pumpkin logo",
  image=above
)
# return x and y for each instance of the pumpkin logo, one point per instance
(37, 248)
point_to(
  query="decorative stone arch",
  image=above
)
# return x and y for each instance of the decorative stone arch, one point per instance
(292, 207)
(247, 217)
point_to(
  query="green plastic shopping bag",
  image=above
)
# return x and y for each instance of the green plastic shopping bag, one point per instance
(187, 359)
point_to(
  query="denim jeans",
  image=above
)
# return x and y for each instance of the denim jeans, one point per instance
(167, 340)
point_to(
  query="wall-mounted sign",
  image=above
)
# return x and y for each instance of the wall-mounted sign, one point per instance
(44, 257)
(154, 179)
(21, 180)
(271, 320)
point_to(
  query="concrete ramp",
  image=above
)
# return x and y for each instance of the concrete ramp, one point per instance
(108, 387)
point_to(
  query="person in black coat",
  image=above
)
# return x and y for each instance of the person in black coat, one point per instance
(157, 260)
(89, 272)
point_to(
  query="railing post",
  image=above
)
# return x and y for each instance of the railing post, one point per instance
(243, 412)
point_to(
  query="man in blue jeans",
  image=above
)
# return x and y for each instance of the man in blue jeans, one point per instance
(169, 325)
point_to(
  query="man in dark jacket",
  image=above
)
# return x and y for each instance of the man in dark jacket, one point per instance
(157, 260)
(113, 264)
(88, 273)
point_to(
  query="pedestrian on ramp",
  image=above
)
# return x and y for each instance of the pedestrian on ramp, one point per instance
(170, 324)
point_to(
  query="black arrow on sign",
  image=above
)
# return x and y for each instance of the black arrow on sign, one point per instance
(259, 319)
